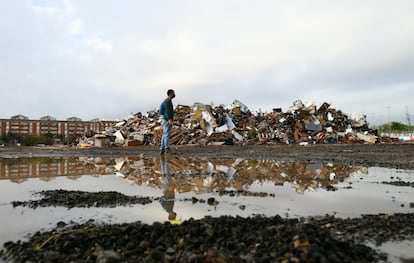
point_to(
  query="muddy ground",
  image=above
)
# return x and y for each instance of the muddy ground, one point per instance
(398, 155)
(223, 239)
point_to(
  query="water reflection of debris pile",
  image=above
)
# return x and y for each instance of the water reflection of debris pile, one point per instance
(217, 175)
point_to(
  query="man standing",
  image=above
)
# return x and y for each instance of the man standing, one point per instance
(167, 122)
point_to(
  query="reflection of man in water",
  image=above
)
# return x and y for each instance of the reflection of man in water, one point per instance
(167, 200)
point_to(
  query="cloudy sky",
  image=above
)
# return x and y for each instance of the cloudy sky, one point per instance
(106, 59)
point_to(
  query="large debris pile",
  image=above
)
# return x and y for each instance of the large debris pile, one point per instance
(205, 124)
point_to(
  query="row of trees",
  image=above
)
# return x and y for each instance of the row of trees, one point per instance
(395, 127)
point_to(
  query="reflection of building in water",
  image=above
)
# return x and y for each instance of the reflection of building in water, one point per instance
(21, 168)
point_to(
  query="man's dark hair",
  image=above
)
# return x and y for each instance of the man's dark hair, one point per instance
(170, 91)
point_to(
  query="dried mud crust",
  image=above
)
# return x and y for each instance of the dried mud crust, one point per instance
(398, 155)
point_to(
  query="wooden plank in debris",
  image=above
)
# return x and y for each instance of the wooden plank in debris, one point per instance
(131, 143)
(176, 136)
(157, 135)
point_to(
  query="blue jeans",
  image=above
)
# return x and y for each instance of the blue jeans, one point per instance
(166, 135)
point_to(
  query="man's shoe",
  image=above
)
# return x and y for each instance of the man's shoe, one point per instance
(167, 151)
(162, 152)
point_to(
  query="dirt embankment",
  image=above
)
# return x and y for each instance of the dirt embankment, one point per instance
(399, 155)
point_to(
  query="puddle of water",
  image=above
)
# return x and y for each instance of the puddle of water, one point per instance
(240, 187)
(399, 251)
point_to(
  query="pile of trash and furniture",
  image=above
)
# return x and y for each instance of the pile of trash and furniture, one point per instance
(302, 123)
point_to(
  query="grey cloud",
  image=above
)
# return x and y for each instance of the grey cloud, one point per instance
(104, 59)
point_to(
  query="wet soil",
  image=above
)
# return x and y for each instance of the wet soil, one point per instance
(396, 155)
(71, 199)
(221, 239)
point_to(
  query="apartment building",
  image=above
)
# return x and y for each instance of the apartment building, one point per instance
(22, 125)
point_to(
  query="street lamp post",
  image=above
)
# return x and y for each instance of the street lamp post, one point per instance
(389, 126)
